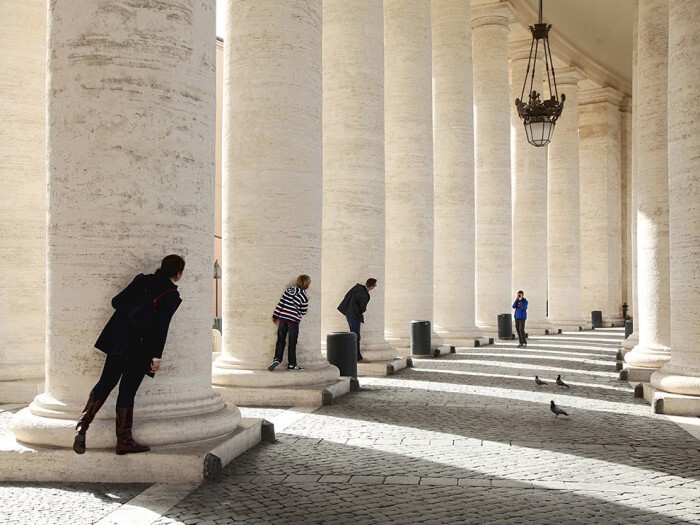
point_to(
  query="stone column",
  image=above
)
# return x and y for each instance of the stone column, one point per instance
(633, 339)
(626, 202)
(653, 285)
(409, 166)
(681, 375)
(272, 190)
(130, 179)
(453, 132)
(494, 294)
(353, 166)
(600, 168)
(563, 221)
(529, 182)
(22, 199)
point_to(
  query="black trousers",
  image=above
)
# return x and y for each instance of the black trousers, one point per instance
(127, 370)
(520, 328)
(282, 330)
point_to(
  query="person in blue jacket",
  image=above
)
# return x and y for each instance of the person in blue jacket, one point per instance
(520, 306)
(133, 339)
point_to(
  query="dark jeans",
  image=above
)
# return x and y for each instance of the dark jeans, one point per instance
(520, 328)
(128, 370)
(355, 328)
(282, 330)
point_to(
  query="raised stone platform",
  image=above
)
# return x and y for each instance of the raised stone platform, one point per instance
(636, 374)
(307, 395)
(670, 404)
(190, 463)
(20, 391)
(383, 368)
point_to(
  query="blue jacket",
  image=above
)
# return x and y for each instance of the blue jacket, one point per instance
(520, 309)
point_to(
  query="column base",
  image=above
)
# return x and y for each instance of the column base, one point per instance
(631, 341)
(671, 404)
(636, 374)
(302, 395)
(23, 391)
(645, 356)
(383, 368)
(612, 321)
(227, 373)
(571, 325)
(191, 463)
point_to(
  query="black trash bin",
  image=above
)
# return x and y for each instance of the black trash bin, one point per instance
(420, 338)
(505, 326)
(341, 351)
(597, 319)
(629, 328)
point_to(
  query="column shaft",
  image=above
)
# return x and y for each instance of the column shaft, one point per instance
(492, 163)
(453, 132)
(681, 375)
(22, 199)
(272, 183)
(409, 166)
(130, 179)
(563, 204)
(653, 286)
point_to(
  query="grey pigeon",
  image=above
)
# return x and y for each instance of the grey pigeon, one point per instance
(539, 382)
(560, 382)
(556, 410)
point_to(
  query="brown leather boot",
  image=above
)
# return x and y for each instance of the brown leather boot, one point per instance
(125, 441)
(89, 412)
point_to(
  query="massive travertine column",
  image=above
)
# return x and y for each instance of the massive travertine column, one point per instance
(130, 179)
(626, 202)
(409, 166)
(633, 338)
(22, 199)
(563, 231)
(353, 165)
(600, 168)
(529, 182)
(494, 294)
(453, 132)
(653, 286)
(681, 375)
(272, 187)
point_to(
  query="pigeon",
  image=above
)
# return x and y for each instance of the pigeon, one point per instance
(557, 410)
(539, 382)
(560, 382)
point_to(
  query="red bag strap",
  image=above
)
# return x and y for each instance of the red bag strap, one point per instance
(160, 296)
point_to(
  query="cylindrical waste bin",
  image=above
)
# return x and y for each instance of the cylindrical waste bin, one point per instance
(629, 328)
(505, 326)
(420, 338)
(341, 351)
(597, 318)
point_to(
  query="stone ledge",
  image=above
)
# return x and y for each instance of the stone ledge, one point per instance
(306, 395)
(190, 463)
(382, 368)
(671, 404)
(636, 374)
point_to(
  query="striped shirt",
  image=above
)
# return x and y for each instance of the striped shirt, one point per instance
(293, 304)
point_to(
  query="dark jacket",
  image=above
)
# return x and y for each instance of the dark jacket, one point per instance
(520, 306)
(354, 304)
(120, 332)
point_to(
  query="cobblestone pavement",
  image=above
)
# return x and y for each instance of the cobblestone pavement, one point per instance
(466, 438)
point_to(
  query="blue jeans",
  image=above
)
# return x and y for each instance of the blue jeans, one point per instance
(282, 330)
(355, 328)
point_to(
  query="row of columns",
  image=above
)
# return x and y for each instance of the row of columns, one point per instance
(130, 180)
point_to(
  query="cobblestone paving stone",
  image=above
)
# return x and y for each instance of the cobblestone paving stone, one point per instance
(466, 438)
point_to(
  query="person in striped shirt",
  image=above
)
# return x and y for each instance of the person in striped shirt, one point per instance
(292, 306)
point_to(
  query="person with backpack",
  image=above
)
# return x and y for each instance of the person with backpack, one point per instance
(133, 339)
(291, 307)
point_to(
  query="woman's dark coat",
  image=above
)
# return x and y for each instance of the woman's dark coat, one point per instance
(120, 333)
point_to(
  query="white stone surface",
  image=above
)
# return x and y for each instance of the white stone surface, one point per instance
(653, 286)
(272, 183)
(130, 179)
(626, 274)
(453, 137)
(492, 163)
(353, 166)
(22, 199)
(409, 166)
(563, 205)
(681, 375)
(529, 194)
(600, 168)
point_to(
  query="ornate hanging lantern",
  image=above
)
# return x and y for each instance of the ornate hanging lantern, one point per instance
(539, 117)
